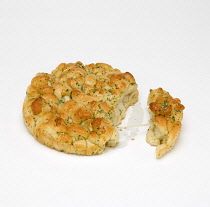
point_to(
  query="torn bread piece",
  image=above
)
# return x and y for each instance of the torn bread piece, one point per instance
(166, 114)
(77, 107)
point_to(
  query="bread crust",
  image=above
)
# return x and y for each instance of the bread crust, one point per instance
(166, 114)
(75, 108)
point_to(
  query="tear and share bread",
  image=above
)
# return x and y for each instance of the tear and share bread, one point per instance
(165, 122)
(75, 108)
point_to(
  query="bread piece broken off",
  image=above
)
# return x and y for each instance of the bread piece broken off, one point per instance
(165, 122)
(75, 108)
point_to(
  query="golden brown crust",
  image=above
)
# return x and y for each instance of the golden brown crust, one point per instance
(165, 123)
(75, 108)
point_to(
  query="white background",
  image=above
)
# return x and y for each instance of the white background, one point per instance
(163, 44)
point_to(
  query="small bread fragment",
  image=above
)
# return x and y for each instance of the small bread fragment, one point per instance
(77, 107)
(166, 114)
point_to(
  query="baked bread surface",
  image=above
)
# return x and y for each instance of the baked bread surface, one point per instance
(166, 114)
(75, 108)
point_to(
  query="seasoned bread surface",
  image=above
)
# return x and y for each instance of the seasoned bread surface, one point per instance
(165, 122)
(75, 108)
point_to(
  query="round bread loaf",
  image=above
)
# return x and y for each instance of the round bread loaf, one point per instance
(75, 108)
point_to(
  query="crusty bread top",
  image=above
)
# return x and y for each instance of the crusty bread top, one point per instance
(165, 123)
(75, 108)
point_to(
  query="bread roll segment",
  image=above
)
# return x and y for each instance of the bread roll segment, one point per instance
(76, 108)
(166, 114)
